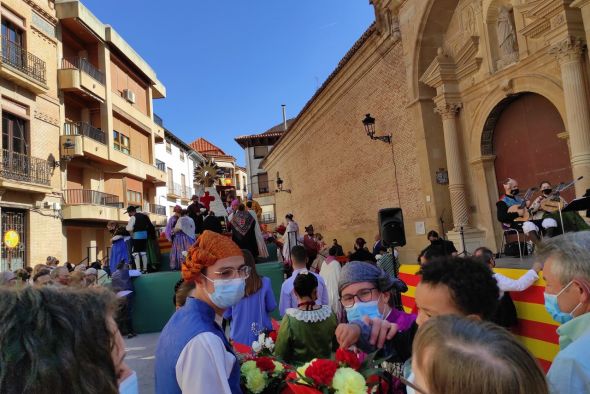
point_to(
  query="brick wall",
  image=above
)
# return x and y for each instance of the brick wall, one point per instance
(339, 177)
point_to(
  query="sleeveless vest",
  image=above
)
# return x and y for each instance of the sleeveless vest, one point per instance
(141, 222)
(194, 318)
(510, 201)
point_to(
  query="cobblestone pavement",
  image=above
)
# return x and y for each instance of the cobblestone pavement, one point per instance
(141, 357)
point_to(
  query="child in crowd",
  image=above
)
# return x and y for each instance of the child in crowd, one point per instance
(306, 332)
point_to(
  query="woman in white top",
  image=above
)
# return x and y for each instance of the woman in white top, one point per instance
(290, 238)
(184, 237)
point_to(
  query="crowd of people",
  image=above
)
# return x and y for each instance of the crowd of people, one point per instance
(463, 313)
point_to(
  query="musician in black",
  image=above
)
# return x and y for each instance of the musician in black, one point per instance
(511, 207)
(546, 208)
(141, 228)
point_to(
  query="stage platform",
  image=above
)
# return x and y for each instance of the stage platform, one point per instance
(154, 296)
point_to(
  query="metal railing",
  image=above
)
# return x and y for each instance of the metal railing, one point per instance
(154, 208)
(174, 189)
(187, 192)
(84, 65)
(85, 129)
(91, 197)
(160, 165)
(24, 168)
(158, 121)
(267, 218)
(25, 62)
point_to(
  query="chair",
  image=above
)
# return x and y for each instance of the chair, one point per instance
(506, 230)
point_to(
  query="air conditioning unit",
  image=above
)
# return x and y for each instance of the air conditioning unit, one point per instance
(129, 96)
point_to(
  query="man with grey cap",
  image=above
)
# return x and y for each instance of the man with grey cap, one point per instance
(367, 295)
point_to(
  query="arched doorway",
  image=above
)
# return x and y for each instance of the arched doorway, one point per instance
(524, 138)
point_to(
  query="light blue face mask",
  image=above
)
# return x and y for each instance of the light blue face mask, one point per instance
(362, 309)
(552, 306)
(129, 385)
(411, 379)
(228, 292)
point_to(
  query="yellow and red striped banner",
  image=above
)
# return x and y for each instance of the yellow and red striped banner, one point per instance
(535, 329)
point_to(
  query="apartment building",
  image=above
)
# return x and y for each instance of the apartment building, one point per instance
(262, 187)
(30, 198)
(108, 129)
(180, 161)
(241, 183)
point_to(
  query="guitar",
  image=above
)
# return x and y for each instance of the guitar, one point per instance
(526, 215)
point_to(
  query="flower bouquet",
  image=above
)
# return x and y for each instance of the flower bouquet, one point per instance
(265, 344)
(347, 374)
(262, 375)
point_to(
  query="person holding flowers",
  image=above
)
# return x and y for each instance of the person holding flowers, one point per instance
(307, 331)
(193, 354)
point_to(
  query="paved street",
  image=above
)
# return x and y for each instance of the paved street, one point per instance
(140, 358)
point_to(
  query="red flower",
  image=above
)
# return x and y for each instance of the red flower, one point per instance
(377, 384)
(273, 335)
(265, 364)
(349, 358)
(322, 371)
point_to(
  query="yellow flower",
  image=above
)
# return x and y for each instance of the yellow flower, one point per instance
(248, 366)
(301, 371)
(255, 380)
(278, 367)
(349, 381)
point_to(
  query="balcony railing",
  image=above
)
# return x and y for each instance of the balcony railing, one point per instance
(267, 218)
(82, 128)
(25, 62)
(19, 167)
(187, 192)
(91, 197)
(174, 189)
(83, 65)
(158, 121)
(160, 165)
(154, 208)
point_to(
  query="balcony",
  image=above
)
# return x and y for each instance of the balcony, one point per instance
(174, 190)
(23, 68)
(158, 121)
(85, 129)
(187, 193)
(85, 204)
(267, 218)
(157, 213)
(79, 76)
(16, 168)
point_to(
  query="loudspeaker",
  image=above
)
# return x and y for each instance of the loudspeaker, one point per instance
(391, 227)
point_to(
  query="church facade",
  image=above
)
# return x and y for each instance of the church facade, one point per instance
(471, 91)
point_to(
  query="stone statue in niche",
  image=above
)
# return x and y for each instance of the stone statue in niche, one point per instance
(507, 44)
(394, 30)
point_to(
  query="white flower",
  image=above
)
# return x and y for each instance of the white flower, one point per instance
(261, 337)
(269, 344)
(256, 346)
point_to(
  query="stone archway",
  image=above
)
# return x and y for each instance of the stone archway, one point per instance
(522, 131)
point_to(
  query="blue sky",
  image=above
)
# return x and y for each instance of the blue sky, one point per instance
(229, 65)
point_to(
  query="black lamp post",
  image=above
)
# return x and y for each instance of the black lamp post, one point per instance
(369, 123)
(280, 186)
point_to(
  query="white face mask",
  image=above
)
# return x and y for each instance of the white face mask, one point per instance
(129, 385)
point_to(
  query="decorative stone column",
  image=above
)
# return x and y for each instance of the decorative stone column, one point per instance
(570, 54)
(449, 112)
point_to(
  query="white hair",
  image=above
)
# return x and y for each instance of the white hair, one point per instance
(571, 255)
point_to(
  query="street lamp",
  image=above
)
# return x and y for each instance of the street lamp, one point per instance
(280, 185)
(369, 123)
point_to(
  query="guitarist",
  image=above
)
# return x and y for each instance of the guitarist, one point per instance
(544, 206)
(511, 199)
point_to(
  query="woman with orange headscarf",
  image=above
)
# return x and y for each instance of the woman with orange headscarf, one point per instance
(193, 354)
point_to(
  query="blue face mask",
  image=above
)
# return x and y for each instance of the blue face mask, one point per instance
(129, 385)
(362, 309)
(552, 307)
(228, 292)
(411, 379)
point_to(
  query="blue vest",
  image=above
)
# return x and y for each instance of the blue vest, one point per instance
(194, 318)
(510, 201)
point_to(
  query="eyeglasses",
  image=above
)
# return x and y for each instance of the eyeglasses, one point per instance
(412, 385)
(233, 273)
(363, 295)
